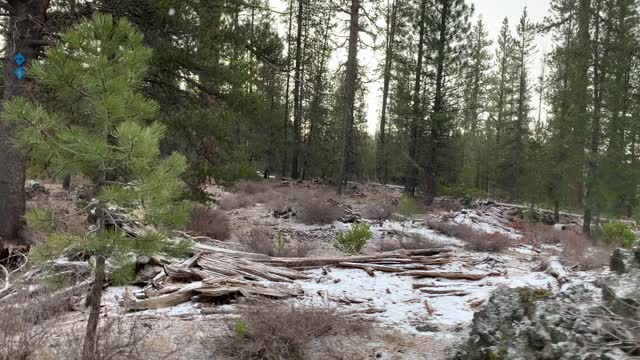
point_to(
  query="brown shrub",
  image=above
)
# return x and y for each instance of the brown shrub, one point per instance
(209, 222)
(410, 242)
(484, 242)
(250, 187)
(476, 240)
(263, 241)
(236, 201)
(539, 234)
(378, 211)
(319, 211)
(278, 331)
(578, 251)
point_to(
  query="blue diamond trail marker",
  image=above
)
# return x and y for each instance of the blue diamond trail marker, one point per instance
(20, 59)
(20, 73)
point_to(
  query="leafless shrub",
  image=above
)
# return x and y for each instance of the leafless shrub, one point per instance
(263, 241)
(538, 234)
(475, 240)
(484, 242)
(378, 212)
(458, 231)
(409, 242)
(236, 201)
(250, 187)
(278, 331)
(22, 333)
(317, 210)
(209, 222)
(578, 251)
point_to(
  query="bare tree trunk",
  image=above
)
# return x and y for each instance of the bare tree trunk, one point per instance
(24, 35)
(285, 148)
(595, 128)
(91, 335)
(297, 99)
(382, 137)
(438, 108)
(350, 83)
(412, 178)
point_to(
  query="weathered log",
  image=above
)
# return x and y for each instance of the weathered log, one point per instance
(446, 275)
(440, 291)
(371, 267)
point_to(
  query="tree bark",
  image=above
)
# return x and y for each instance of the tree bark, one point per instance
(285, 149)
(350, 84)
(412, 178)
(91, 335)
(297, 99)
(382, 137)
(24, 34)
(595, 128)
(438, 108)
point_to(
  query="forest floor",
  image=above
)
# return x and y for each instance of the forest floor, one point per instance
(407, 317)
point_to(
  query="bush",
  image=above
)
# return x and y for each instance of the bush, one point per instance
(209, 222)
(262, 241)
(578, 251)
(407, 205)
(318, 211)
(354, 240)
(618, 234)
(410, 242)
(476, 240)
(250, 187)
(494, 242)
(278, 331)
(378, 212)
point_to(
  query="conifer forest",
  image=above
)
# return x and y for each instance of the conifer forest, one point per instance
(320, 179)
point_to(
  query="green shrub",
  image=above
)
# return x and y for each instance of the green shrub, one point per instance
(460, 191)
(618, 233)
(354, 240)
(407, 205)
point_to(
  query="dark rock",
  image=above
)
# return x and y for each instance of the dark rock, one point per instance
(33, 189)
(621, 261)
(427, 328)
(548, 219)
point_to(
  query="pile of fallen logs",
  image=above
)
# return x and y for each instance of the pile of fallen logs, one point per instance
(215, 272)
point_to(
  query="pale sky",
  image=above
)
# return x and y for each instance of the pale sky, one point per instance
(492, 12)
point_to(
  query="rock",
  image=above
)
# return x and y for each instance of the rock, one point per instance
(33, 188)
(622, 261)
(427, 328)
(548, 219)
(530, 324)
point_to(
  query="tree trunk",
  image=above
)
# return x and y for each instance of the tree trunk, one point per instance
(91, 335)
(595, 129)
(412, 178)
(382, 137)
(24, 34)
(438, 108)
(297, 99)
(350, 84)
(285, 148)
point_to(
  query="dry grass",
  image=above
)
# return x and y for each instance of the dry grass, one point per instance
(263, 241)
(317, 209)
(209, 222)
(272, 331)
(250, 187)
(410, 242)
(378, 212)
(475, 240)
(579, 252)
(539, 234)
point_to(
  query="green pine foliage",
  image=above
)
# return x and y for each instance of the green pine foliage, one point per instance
(354, 240)
(618, 234)
(103, 128)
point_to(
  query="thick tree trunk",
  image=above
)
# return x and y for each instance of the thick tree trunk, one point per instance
(438, 108)
(350, 83)
(297, 99)
(24, 34)
(285, 148)
(595, 128)
(412, 178)
(382, 137)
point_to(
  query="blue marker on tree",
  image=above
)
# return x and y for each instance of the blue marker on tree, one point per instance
(20, 71)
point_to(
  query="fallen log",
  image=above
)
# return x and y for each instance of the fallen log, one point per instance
(366, 267)
(446, 275)
(440, 291)
(553, 267)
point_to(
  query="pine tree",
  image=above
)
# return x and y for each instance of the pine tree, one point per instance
(116, 147)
